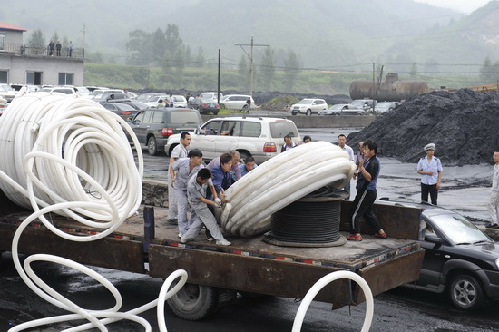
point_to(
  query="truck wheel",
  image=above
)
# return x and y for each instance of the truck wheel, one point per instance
(152, 147)
(194, 302)
(466, 292)
(309, 112)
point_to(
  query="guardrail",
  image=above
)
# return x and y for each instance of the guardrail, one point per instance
(77, 52)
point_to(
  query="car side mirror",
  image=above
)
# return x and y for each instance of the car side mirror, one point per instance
(433, 238)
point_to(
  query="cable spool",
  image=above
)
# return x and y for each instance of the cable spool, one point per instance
(310, 222)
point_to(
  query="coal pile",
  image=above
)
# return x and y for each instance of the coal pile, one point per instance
(464, 125)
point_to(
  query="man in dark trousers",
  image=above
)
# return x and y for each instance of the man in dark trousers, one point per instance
(366, 194)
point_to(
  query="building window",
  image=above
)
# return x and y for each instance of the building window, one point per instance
(2, 41)
(34, 78)
(65, 79)
(3, 76)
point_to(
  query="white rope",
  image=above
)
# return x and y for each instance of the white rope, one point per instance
(70, 156)
(323, 282)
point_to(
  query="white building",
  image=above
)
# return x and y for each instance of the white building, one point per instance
(22, 64)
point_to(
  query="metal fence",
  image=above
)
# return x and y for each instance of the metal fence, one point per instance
(77, 52)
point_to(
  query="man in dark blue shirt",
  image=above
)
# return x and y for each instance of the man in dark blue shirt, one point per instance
(366, 193)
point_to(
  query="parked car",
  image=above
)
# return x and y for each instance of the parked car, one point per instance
(365, 104)
(122, 109)
(7, 92)
(82, 91)
(155, 100)
(238, 102)
(460, 260)
(345, 109)
(308, 106)
(3, 104)
(386, 107)
(211, 95)
(153, 126)
(259, 137)
(105, 96)
(31, 87)
(205, 106)
(178, 101)
(59, 89)
(136, 105)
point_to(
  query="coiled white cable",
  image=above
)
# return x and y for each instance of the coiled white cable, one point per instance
(71, 156)
(280, 181)
(323, 282)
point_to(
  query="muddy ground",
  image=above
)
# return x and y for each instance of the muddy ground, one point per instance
(463, 125)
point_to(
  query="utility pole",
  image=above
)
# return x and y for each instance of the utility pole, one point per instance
(251, 61)
(83, 42)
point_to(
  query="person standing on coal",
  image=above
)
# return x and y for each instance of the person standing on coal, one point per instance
(366, 194)
(493, 205)
(430, 168)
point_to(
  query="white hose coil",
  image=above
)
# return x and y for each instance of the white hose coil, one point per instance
(323, 282)
(278, 182)
(63, 138)
(71, 156)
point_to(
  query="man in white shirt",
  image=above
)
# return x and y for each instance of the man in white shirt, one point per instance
(342, 143)
(493, 205)
(430, 168)
(180, 151)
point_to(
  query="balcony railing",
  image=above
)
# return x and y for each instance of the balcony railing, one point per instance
(42, 51)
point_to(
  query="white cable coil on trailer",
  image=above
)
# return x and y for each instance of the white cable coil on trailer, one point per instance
(71, 157)
(280, 181)
(54, 133)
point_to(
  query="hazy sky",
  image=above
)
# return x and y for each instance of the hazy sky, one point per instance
(464, 6)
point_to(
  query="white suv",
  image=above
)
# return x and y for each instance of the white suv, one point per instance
(308, 106)
(259, 137)
(238, 102)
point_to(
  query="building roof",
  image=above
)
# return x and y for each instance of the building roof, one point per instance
(11, 27)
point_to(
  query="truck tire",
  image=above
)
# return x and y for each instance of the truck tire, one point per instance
(152, 147)
(466, 292)
(194, 302)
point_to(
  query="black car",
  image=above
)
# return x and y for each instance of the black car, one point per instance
(153, 126)
(124, 110)
(205, 105)
(460, 259)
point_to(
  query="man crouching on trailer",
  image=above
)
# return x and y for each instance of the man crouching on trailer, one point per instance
(196, 193)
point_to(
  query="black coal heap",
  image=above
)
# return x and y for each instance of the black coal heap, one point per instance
(464, 125)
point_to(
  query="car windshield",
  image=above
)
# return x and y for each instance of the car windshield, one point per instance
(305, 101)
(337, 107)
(458, 229)
(279, 129)
(185, 117)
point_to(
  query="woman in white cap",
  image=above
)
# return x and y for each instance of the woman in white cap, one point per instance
(430, 168)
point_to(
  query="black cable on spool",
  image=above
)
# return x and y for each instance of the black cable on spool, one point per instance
(307, 221)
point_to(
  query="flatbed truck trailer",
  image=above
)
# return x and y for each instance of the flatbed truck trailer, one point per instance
(248, 266)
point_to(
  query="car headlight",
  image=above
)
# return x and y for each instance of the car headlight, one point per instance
(497, 263)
